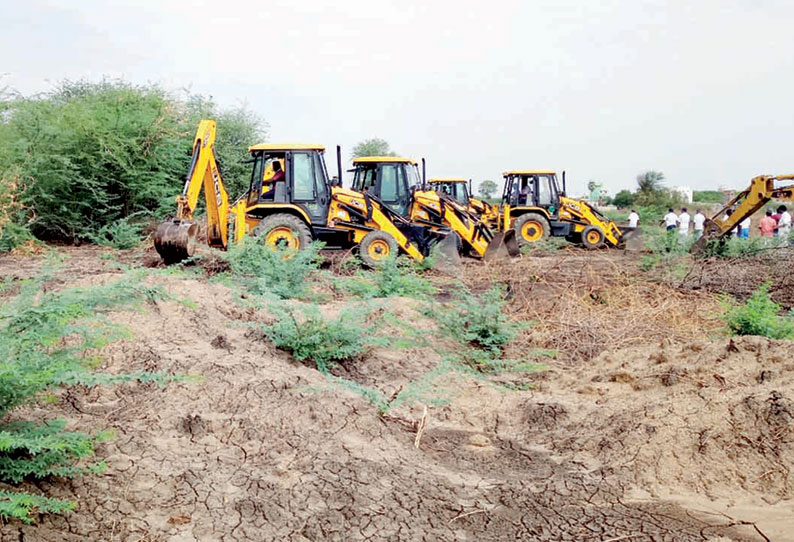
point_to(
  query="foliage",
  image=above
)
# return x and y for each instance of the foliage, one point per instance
(651, 191)
(623, 199)
(487, 189)
(546, 245)
(308, 335)
(121, 234)
(94, 153)
(478, 320)
(282, 272)
(373, 147)
(43, 341)
(396, 277)
(13, 222)
(759, 315)
(707, 196)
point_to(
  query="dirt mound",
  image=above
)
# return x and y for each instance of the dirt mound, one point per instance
(260, 447)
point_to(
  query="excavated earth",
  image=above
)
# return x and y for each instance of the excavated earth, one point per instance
(676, 439)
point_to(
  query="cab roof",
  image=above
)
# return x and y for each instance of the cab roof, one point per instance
(375, 159)
(285, 147)
(447, 180)
(529, 172)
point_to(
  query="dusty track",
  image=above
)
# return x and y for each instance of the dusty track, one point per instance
(264, 448)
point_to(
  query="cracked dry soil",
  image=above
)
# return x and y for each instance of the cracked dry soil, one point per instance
(263, 448)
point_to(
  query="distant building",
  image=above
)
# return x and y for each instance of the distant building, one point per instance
(684, 192)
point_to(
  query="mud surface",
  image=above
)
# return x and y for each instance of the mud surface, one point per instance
(676, 440)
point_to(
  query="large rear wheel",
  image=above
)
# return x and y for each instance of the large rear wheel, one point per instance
(283, 230)
(531, 228)
(377, 247)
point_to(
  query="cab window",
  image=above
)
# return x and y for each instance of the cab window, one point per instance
(545, 196)
(388, 182)
(304, 177)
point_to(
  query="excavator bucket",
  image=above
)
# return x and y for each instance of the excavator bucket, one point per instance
(174, 240)
(632, 239)
(503, 245)
(448, 247)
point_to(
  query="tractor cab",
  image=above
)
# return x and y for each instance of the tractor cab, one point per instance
(290, 174)
(389, 178)
(457, 189)
(532, 189)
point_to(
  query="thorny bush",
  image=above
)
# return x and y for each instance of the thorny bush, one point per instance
(759, 315)
(44, 338)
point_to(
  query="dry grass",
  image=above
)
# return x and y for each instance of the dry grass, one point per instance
(587, 303)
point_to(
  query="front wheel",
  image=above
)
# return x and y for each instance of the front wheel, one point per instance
(531, 228)
(283, 230)
(592, 237)
(377, 247)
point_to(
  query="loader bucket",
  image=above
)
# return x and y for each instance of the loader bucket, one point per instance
(448, 247)
(174, 240)
(632, 239)
(503, 245)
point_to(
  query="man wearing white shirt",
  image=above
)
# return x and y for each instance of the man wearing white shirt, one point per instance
(697, 223)
(784, 223)
(634, 219)
(683, 222)
(744, 228)
(670, 220)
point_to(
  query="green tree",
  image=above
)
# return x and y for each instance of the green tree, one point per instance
(651, 190)
(623, 199)
(487, 189)
(373, 147)
(91, 154)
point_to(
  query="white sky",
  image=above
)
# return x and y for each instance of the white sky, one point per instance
(701, 90)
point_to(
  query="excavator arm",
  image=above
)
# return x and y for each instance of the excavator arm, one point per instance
(761, 190)
(174, 238)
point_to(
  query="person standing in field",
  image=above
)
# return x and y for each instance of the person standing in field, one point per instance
(767, 225)
(697, 223)
(683, 222)
(670, 220)
(634, 219)
(784, 222)
(744, 228)
(776, 218)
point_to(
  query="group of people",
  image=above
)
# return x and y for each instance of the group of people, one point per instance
(682, 222)
(771, 225)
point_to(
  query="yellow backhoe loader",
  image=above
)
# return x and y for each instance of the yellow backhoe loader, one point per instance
(460, 190)
(761, 191)
(290, 202)
(534, 206)
(396, 183)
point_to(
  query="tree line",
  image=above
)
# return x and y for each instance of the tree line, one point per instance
(86, 155)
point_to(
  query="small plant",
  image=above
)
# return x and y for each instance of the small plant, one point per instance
(478, 320)
(395, 277)
(279, 271)
(43, 340)
(308, 335)
(547, 245)
(759, 315)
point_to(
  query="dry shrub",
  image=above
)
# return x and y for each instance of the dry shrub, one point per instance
(584, 304)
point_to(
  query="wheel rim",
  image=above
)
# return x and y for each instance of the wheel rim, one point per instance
(593, 237)
(282, 237)
(379, 250)
(532, 230)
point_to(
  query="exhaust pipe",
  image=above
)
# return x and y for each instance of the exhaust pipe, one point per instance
(339, 164)
(424, 176)
(564, 188)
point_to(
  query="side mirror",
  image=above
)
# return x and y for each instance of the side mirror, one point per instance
(335, 181)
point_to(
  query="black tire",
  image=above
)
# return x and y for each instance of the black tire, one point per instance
(592, 237)
(377, 247)
(531, 228)
(282, 229)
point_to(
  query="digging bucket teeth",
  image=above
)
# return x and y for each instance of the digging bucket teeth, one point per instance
(503, 245)
(174, 240)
